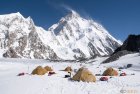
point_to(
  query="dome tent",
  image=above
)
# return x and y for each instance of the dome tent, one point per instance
(84, 75)
(48, 68)
(39, 71)
(110, 72)
(68, 69)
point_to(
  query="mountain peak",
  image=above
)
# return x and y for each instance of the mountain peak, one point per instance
(72, 14)
(17, 14)
(76, 38)
(12, 15)
(85, 38)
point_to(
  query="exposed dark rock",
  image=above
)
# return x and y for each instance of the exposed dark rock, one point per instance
(132, 43)
(116, 56)
(11, 53)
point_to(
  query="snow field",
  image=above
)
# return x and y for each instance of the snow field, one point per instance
(10, 83)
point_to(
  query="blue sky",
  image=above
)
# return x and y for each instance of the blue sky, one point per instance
(119, 17)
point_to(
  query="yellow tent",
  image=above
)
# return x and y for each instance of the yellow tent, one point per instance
(84, 75)
(110, 72)
(39, 71)
(48, 68)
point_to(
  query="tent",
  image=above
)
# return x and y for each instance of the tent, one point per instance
(68, 69)
(110, 72)
(48, 68)
(84, 75)
(39, 71)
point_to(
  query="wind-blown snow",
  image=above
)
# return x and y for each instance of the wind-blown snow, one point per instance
(57, 84)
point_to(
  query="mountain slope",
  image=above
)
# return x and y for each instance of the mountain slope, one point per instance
(132, 43)
(19, 38)
(86, 38)
(73, 37)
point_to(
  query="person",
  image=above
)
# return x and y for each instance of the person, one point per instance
(139, 50)
(69, 74)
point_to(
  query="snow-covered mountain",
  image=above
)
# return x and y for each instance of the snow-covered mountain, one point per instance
(83, 37)
(73, 37)
(20, 38)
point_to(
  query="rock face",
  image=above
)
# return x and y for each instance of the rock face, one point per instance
(116, 56)
(19, 38)
(132, 43)
(72, 38)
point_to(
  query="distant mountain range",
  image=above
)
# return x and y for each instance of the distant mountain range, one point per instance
(72, 38)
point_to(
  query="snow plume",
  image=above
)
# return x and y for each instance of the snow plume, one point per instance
(65, 9)
(52, 4)
(81, 12)
(61, 7)
(68, 8)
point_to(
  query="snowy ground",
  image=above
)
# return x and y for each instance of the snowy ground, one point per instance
(10, 83)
